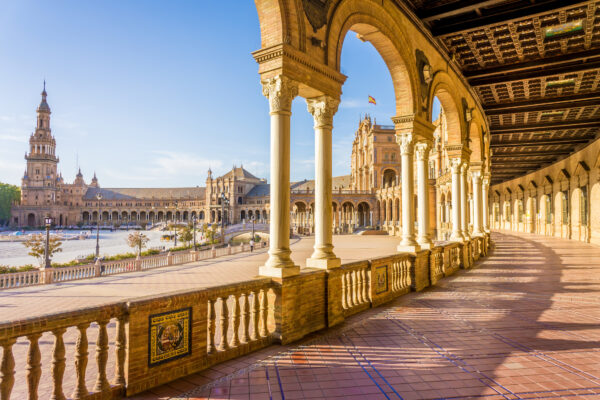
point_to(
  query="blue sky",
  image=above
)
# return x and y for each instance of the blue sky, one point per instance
(143, 93)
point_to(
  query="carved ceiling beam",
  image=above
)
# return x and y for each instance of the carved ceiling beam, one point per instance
(543, 142)
(554, 153)
(511, 12)
(563, 64)
(546, 126)
(553, 103)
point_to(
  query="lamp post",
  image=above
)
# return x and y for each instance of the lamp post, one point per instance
(98, 197)
(48, 222)
(253, 219)
(175, 217)
(194, 229)
(223, 198)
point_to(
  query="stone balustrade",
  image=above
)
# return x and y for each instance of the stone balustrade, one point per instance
(217, 323)
(105, 268)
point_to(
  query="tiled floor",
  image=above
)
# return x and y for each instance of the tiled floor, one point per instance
(524, 324)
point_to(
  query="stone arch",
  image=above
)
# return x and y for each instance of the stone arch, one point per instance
(389, 177)
(31, 220)
(476, 143)
(387, 34)
(443, 88)
(201, 215)
(114, 216)
(273, 21)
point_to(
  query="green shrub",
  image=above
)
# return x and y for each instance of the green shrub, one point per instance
(5, 269)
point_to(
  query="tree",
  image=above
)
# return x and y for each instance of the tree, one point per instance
(37, 246)
(209, 233)
(186, 235)
(8, 195)
(137, 239)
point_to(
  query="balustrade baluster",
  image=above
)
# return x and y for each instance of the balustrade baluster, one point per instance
(102, 383)
(120, 352)
(365, 296)
(7, 369)
(210, 320)
(223, 322)
(349, 289)
(58, 364)
(263, 314)
(235, 321)
(255, 314)
(359, 281)
(245, 318)
(81, 360)
(344, 301)
(34, 365)
(354, 288)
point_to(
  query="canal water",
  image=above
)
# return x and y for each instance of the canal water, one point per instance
(111, 243)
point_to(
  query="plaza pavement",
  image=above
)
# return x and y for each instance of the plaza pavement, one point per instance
(523, 324)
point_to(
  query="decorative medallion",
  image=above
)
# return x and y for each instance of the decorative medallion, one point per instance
(169, 336)
(316, 12)
(425, 75)
(381, 279)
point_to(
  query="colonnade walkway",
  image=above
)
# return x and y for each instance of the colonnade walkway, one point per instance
(523, 324)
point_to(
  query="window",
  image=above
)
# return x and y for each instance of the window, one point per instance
(583, 206)
(520, 210)
(565, 207)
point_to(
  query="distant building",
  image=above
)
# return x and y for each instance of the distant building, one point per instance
(357, 198)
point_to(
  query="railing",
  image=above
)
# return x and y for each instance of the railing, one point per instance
(225, 322)
(65, 274)
(73, 273)
(28, 333)
(356, 287)
(20, 279)
(237, 319)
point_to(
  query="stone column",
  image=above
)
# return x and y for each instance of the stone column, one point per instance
(323, 109)
(407, 149)
(477, 209)
(424, 238)
(455, 164)
(464, 216)
(280, 91)
(485, 203)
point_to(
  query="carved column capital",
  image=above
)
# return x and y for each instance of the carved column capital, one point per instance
(486, 181)
(323, 108)
(406, 142)
(280, 91)
(422, 150)
(464, 168)
(455, 164)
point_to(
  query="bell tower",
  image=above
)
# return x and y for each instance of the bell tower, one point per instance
(39, 186)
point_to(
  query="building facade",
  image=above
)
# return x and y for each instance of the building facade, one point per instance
(368, 197)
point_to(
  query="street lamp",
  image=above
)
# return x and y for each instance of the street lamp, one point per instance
(176, 204)
(224, 201)
(253, 219)
(194, 229)
(48, 222)
(98, 197)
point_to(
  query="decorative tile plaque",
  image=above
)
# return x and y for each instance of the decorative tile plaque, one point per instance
(381, 279)
(169, 336)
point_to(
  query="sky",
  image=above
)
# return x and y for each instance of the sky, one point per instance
(150, 93)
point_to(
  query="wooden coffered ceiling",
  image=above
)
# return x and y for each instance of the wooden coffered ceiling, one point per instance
(535, 66)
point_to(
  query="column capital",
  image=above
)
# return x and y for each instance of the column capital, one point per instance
(464, 168)
(486, 180)
(280, 90)
(455, 164)
(406, 142)
(323, 108)
(476, 175)
(422, 150)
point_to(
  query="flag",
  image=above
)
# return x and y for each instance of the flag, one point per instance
(372, 100)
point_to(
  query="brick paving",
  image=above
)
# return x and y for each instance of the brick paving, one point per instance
(524, 324)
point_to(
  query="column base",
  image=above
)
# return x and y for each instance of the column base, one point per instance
(410, 248)
(323, 263)
(279, 272)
